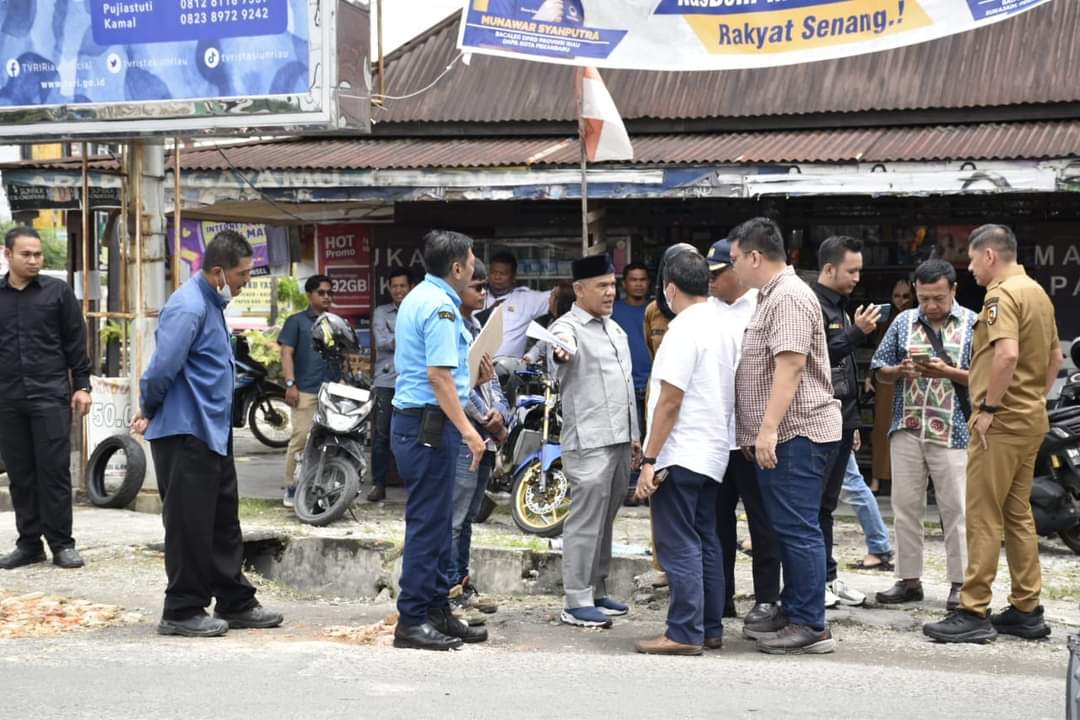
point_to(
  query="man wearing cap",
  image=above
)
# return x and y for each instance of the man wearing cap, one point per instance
(599, 438)
(737, 304)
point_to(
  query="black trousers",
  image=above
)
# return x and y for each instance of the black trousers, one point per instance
(380, 440)
(35, 439)
(740, 481)
(204, 548)
(830, 497)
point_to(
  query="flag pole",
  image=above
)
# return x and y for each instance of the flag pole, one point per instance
(584, 163)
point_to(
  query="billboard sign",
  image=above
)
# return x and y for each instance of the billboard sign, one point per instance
(343, 253)
(116, 67)
(196, 233)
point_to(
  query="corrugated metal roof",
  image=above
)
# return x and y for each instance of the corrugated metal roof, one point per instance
(988, 141)
(1028, 59)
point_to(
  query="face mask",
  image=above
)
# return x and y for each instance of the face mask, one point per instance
(224, 292)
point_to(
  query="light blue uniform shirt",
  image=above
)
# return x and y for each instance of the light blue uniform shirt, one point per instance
(188, 387)
(429, 333)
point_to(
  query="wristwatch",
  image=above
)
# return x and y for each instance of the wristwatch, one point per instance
(290, 383)
(989, 409)
(648, 461)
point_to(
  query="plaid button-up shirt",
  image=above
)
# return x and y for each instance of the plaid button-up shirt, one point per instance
(788, 319)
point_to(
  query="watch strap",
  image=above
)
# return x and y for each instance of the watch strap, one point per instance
(990, 409)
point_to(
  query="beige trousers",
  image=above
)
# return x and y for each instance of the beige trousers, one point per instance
(303, 415)
(912, 461)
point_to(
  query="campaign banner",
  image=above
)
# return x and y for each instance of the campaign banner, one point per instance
(86, 52)
(196, 233)
(714, 34)
(343, 253)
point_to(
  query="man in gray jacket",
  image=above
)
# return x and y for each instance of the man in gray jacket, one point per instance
(600, 438)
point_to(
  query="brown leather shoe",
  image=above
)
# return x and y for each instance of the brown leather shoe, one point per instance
(665, 646)
(714, 643)
(901, 592)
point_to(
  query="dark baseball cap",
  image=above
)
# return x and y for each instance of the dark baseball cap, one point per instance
(719, 256)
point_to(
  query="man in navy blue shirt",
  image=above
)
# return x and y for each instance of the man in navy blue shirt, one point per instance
(629, 313)
(186, 415)
(304, 371)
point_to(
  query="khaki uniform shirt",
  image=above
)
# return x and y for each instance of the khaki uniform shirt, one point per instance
(596, 388)
(1016, 307)
(788, 318)
(655, 327)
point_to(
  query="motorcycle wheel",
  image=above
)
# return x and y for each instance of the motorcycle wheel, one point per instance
(270, 420)
(487, 506)
(321, 501)
(105, 491)
(539, 513)
(1071, 537)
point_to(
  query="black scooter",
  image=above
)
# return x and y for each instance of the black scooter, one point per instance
(258, 400)
(1055, 492)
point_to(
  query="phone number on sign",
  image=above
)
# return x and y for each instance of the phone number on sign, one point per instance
(215, 4)
(224, 16)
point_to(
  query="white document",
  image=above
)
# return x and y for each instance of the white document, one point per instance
(487, 342)
(538, 332)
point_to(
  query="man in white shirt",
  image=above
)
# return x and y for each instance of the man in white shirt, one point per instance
(520, 304)
(736, 304)
(691, 428)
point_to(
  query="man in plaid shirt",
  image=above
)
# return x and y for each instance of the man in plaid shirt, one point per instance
(787, 418)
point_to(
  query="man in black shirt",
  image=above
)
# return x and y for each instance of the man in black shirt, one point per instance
(840, 264)
(42, 358)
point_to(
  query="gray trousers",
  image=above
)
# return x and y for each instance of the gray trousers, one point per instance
(598, 481)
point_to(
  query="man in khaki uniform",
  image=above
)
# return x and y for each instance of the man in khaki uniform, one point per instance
(1015, 359)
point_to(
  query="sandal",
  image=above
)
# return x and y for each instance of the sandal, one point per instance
(886, 564)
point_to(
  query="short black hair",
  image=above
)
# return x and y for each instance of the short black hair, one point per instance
(17, 232)
(443, 248)
(1000, 237)
(564, 297)
(479, 271)
(932, 270)
(833, 250)
(399, 272)
(761, 234)
(630, 267)
(315, 281)
(689, 271)
(226, 250)
(505, 257)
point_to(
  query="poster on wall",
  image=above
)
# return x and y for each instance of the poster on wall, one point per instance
(196, 233)
(681, 35)
(951, 243)
(343, 253)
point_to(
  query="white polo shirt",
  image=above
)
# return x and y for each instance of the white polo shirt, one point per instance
(520, 307)
(699, 355)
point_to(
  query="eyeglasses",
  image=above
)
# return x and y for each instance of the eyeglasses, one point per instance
(325, 293)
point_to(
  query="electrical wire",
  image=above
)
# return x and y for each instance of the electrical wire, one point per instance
(421, 91)
(250, 184)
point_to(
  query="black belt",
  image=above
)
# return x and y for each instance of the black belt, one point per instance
(409, 412)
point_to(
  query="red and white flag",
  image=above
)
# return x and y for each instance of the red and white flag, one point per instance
(604, 133)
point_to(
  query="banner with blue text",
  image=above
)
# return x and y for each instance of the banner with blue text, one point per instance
(714, 34)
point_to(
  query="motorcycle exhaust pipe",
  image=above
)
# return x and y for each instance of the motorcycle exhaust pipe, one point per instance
(502, 499)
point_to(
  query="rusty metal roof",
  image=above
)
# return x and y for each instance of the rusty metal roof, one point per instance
(985, 141)
(1027, 60)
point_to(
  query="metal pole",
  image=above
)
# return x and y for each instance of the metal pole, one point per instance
(177, 223)
(84, 451)
(140, 303)
(382, 63)
(584, 164)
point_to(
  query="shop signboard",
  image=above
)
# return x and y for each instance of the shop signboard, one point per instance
(196, 233)
(343, 253)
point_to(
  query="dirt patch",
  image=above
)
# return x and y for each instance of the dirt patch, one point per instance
(380, 633)
(38, 615)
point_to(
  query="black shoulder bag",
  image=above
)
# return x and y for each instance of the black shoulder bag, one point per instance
(962, 395)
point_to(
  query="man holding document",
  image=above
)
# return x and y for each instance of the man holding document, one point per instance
(591, 360)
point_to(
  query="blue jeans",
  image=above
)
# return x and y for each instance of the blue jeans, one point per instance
(469, 488)
(791, 493)
(429, 483)
(856, 493)
(688, 546)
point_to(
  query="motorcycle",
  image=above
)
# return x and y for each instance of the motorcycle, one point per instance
(334, 463)
(258, 400)
(528, 471)
(1055, 491)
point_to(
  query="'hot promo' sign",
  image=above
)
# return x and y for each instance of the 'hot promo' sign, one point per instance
(343, 253)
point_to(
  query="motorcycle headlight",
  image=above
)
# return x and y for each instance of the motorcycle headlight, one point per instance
(339, 414)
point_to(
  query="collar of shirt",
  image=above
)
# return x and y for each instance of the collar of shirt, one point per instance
(954, 312)
(439, 282)
(1005, 275)
(4, 281)
(584, 315)
(768, 287)
(210, 292)
(834, 298)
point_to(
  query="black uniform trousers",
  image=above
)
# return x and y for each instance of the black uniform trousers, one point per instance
(830, 497)
(35, 440)
(740, 481)
(204, 547)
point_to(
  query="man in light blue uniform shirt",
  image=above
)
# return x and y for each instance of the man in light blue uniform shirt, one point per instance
(428, 427)
(187, 417)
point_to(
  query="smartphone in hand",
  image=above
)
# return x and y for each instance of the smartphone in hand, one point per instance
(920, 358)
(886, 310)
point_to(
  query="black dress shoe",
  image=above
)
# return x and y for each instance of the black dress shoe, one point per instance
(448, 624)
(21, 556)
(67, 558)
(762, 612)
(901, 592)
(764, 621)
(953, 603)
(256, 617)
(201, 625)
(377, 494)
(423, 637)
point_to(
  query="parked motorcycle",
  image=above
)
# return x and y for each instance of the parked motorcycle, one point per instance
(259, 400)
(1055, 492)
(334, 463)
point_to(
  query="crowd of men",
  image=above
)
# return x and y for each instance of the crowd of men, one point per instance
(737, 382)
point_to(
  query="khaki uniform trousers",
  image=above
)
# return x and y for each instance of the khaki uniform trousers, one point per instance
(303, 415)
(999, 501)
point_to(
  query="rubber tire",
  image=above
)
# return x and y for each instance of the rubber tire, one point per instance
(252, 414)
(550, 531)
(487, 506)
(348, 496)
(133, 477)
(1071, 538)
